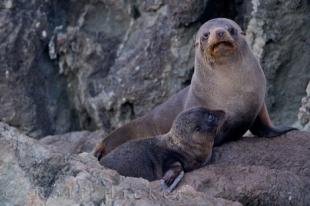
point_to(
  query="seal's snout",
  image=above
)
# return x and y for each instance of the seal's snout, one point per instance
(220, 40)
(217, 42)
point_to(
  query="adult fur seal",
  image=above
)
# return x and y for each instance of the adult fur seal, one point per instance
(227, 77)
(187, 146)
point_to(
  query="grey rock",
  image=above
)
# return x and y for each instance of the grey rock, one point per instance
(259, 171)
(33, 96)
(32, 174)
(119, 73)
(278, 32)
(148, 56)
(255, 171)
(304, 111)
(97, 64)
(74, 142)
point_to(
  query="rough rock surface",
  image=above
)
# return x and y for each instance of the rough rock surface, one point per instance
(31, 174)
(144, 56)
(278, 32)
(74, 142)
(75, 65)
(304, 111)
(259, 171)
(33, 95)
(96, 64)
(252, 171)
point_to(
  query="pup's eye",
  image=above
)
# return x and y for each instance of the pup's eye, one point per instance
(205, 35)
(232, 30)
(197, 129)
(242, 33)
(211, 118)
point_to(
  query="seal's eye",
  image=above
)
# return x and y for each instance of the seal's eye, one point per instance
(205, 35)
(197, 129)
(211, 118)
(232, 30)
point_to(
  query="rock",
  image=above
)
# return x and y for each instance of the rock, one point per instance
(74, 142)
(97, 64)
(278, 32)
(134, 69)
(304, 111)
(259, 171)
(31, 174)
(120, 73)
(256, 171)
(33, 96)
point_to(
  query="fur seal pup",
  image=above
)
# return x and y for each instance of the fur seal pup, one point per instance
(187, 146)
(227, 76)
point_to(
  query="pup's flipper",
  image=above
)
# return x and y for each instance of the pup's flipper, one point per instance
(172, 177)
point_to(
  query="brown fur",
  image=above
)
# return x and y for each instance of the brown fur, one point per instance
(227, 77)
(187, 146)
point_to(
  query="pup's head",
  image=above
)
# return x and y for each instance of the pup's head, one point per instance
(198, 127)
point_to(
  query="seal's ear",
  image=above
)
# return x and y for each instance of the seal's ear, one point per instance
(194, 41)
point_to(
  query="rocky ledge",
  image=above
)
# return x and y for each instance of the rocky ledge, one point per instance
(251, 171)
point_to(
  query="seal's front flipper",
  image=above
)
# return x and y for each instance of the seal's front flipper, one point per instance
(100, 151)
(172, 177)
(263, 127)
(262, 130)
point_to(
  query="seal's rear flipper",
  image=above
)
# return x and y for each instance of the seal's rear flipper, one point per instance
(172, 177)
(263, 127)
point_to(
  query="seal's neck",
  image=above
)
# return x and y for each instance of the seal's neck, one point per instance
(219, 64)
(189, 150)
(174, 142)
(227, 66)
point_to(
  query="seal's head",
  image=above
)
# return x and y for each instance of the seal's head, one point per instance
(197, 127)
(219, 39)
